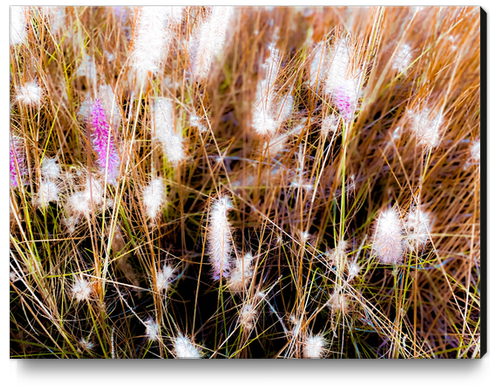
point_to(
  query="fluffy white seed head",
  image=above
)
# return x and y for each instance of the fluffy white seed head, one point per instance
(426, 127)
(353, 270)
(314, 347)
(387, 244)
(318, 66)
(241, 274)
(219, 238)
(94, 192)
(475, 152)
(81, 289)
(109, 104)
(48, 192)
(152, 330)
(418, 226)
(210, 41)
(83, 203)
(174, 149)
(86, 344)
(30, 94)
(185, 349)
(304, 237)
(164, 122)
(19, 18)
(164, 277)
(264, 120)
(151, 40)
(247, 317)
(78, 205)
(338, 256)
(50, 169)
(154, 197)
(272, 66)
(175, 15)
(338, 302)
(264, 115)
(343, 86)
(338, 65)
(402, 58)
(70, 223)
(163, 118)
(396, 135)
(196, 121)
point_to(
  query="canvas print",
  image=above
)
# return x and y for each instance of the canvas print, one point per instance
(245, 182)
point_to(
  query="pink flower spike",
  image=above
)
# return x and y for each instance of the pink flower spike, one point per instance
(345, 98)
(17, 164)
(104, 145)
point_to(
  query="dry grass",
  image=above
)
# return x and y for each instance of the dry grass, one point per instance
(304, 203)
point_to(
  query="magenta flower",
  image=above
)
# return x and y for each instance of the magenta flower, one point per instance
(343, 102)
(345, 98)
(104, 145)
(17, 163)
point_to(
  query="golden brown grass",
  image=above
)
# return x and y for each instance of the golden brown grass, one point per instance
(304, 239)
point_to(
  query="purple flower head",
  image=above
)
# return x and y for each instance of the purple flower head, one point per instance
(345, 99)
(343, 102)
(104, 145)
(17, 163)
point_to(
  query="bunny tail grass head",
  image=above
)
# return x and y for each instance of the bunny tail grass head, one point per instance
(426, 126)
(103, 144)
(50, 169)
(152, 330)
(164, 131)
(81, 289)
(185, 349)
(211, 40)
(247, 317)
(164, 277)
(154, 197)
(341, 82)
(387, 244)
(219, 238)
(265, 120)
(241, 274)
(19, 18)
(30, 94)
(314, 347)
(418, 226)
(48, 192)
(152, 36)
